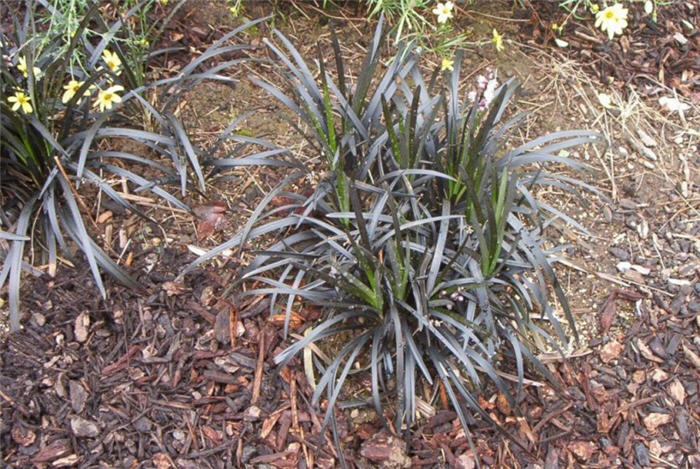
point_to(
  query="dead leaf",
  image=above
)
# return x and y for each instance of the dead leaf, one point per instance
(503, 404)
(295, 320)
(611, 351)
(212, 218)
(104, 217)
(677, 391)
(583, 450)
(607, 313)
(82, 324)
(655, 420)
(646, 352)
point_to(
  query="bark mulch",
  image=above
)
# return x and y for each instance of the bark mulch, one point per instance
(665, 51)
(154, 380)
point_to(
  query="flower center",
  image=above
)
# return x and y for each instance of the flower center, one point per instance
(610, 15)
(108, 96)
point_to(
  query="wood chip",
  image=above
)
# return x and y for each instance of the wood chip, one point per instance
(646, 352)
(655, 420)
(692, 357)
(78, 395)
(658, 375)
(677, 391)
(582, 450)
(53, 451)
(611, 351)
(82, 325)
(83, 428)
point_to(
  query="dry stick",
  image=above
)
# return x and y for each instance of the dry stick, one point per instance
(14, 404)
(257, 381)
(232, 324)
(77, 196)
(295, 419)
(610, 278)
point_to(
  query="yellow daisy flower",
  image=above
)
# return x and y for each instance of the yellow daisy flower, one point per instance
(21, 100)
(71, 88)
(112, 60)
(106, 98)
(497, 40)
(22, 67)
(447, 64)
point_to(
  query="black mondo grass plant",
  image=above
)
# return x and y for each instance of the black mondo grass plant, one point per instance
(423, 245)
(63, 127)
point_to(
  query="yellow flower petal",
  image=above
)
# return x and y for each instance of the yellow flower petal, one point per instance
(497, 40)
(447, 64)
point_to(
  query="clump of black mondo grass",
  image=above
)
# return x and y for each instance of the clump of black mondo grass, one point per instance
(63, 126)
(424, 243)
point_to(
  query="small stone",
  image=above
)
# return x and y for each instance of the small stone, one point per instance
(620, 253)
(678, 282)
(38, 319)
(143, 425)
(646, 138)
(628, 204)
(643, 229)
(607, 214)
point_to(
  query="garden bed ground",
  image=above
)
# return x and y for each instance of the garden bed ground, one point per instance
(177, 376)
